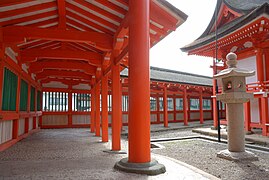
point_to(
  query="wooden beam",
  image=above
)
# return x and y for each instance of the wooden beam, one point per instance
(61, 14)
(70, 65)
(31, 55)
(17, 34)
(62, 73)
(65, 81)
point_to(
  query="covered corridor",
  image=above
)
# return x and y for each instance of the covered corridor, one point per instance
(77, 49)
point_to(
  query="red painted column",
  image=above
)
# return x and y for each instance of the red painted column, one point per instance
(201, 107)
(165, 113)
(40, 117)
(116, 108)
(247, 116)
(174, 107)
(34, 118)
(158, 108)
(26, 121)
(266, 52)
(97, 109)
(104, 109)
(259, 63)
(185, 106)
(69, 106)
(2, 56)
(139, 82)
(92, 109)
(215, 108)
(264, 112)
(15, 130)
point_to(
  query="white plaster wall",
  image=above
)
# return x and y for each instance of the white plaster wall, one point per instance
(21, 126)
(207, 115)
(180, 116)
(124, 118)
(55, 120)
(194, 115)
(5, 131)
(37, 121)
(31, 122)
(81, 119)
(170, 116)
(153, 117)
(249, 64)
(161, 117)
(255, 114)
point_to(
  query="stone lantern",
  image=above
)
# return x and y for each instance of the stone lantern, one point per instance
(234, 95)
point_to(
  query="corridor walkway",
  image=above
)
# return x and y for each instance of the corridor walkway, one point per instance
(77, 154)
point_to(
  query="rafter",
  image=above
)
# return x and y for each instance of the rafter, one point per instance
(86, 14)
(32, 55)
(157, 14)
(18, 34)
(33, 8)
(39, 66)
(30, 19)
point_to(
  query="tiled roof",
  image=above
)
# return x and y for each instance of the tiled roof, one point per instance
(160, 74)
(250, 9)
(245, 5)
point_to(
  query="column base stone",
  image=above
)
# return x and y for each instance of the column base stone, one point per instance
(150, 168)
(237, 156)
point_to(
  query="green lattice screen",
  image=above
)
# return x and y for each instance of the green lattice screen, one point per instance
(9, 91)
(23, 96)
(32, 103)
(39, 100)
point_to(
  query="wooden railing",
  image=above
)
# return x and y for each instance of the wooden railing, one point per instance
(258, 86)
(254, 87)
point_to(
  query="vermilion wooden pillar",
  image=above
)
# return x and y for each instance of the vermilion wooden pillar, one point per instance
(116, 108)
(215, 108)
(185, 106)
(2, 56)
(201, 107)
(264, 112)
(165, 113)
(259, 63)
(34, 118)
(40, 117)
(266, 52)
(175, 107)
(15, 130)
(139, 82)
(247, 116)
(104, 109)
(26, 121)
(97, 109)
(158, 108)
(92, 109)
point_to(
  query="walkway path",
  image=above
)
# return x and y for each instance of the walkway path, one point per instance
(77, 154)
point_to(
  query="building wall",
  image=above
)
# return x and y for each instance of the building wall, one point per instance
(249, 64)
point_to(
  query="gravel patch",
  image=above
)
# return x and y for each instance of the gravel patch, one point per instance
(202, 154)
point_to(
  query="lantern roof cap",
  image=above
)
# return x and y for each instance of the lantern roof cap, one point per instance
(232, 70)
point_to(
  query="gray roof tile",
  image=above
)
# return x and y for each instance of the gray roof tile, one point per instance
(160, 74)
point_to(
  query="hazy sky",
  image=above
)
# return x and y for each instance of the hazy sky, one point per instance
(167, 53)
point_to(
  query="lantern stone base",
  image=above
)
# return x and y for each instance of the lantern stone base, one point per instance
(150, 168)
(237, 156)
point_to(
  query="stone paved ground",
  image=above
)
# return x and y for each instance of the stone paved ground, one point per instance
(202, 154)
(76, 154)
